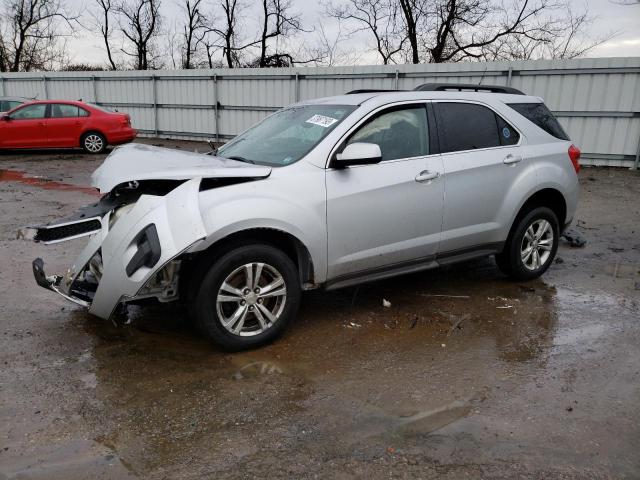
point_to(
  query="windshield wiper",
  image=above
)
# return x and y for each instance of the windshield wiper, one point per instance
(241, 159)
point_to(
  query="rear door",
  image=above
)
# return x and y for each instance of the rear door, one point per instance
(66, 124)
(389, 214)
(481, 158)
(25, 127)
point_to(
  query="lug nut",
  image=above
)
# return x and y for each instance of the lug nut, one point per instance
(251, 308)
(257, 290)
(246, 291)
(243, 302)
(259, 300)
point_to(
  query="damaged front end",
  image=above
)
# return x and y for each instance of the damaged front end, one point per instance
(137, 233)
(139, 230)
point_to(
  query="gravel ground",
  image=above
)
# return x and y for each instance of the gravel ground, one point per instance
(466, 375)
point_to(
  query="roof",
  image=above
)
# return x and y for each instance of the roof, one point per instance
(69, 102)
(382, 97)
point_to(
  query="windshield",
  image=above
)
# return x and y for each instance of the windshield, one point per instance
(287, 135)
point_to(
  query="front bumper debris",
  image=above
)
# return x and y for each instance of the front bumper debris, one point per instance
(132, 255)
(52, 282)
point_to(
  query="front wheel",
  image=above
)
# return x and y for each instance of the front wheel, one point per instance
(532, 245)
(248, 297)
(93, 142)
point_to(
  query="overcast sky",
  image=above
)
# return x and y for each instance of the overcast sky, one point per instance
(611, 17)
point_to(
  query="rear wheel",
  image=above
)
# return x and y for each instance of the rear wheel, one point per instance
(248, 297)
(93, 142)
(531, 246)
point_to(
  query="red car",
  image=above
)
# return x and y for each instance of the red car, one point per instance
(64, 124)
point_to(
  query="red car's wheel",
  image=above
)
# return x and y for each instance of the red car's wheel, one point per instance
(93, 142)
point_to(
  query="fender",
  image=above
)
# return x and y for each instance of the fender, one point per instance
(268, 204)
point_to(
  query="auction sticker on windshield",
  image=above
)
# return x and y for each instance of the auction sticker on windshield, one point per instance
(322, 120)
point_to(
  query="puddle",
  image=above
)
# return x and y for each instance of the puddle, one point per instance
(621, 270)
(44, 183)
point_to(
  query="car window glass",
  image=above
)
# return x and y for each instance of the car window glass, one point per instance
(400, 133)
(30, 112)
(539, 114)
(287, 135)
(466, 126)
(507, 134)
(11, 105)
(82, 112)
(60, 110)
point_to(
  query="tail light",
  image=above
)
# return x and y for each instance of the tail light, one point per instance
(574, 155)
(126, 120)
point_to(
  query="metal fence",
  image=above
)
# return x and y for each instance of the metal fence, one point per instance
(597, 100)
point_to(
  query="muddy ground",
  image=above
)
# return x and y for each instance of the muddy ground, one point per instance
(466, 375)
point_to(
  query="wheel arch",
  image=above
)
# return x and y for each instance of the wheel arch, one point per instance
(198, 263)
(546, 197)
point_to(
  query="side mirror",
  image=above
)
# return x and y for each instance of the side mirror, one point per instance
(5, 118)
(358, 153)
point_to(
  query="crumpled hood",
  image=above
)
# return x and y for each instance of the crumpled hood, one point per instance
(137, 161)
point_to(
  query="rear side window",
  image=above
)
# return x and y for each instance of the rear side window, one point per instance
(59, 110)
(539, 114)
(468, 126)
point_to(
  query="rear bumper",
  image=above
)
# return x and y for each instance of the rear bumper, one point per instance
(123, 136)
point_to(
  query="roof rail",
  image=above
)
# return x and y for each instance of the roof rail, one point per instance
(370, 90)
(461, 87)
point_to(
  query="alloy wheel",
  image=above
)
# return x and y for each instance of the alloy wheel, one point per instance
(251, 299)
(93, 143)
(537, 244)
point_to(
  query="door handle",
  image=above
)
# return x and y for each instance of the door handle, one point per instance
(426, 175)
(509, 159)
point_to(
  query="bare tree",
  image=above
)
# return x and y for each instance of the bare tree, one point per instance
(194, 31)
(140, 23)
(328, 48)
(102, 17)
(31, 33)
(228, 36)
(378, 17)
(438, 31)
(277, 22)
(561, 33)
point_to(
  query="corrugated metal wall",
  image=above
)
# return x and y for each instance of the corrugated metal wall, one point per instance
(597, 100)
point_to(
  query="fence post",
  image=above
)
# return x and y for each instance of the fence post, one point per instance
(215, 106)
(2, 86)
(297, 87)
(155, 105)
(397, 79)
(509, 73)
(636, 162)
(95, 90)
(44, 85)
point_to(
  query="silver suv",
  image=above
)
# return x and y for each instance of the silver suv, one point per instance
(323, 194)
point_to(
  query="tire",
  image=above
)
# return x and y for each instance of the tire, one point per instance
(237, 319)
(93, 142)
(518, 259)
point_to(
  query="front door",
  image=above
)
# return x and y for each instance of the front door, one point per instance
(25, 128)
(389, 214)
